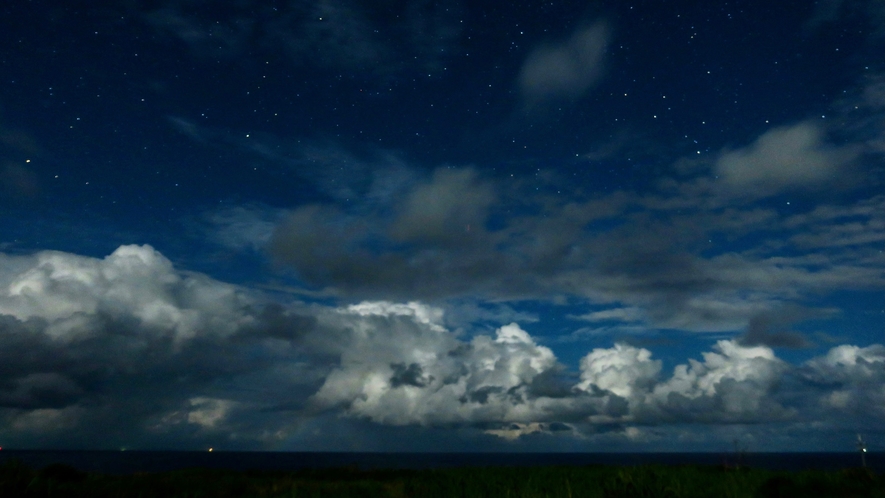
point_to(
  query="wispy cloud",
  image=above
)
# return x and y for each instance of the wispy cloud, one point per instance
(566, 69)
(335, 34)
(783, 158)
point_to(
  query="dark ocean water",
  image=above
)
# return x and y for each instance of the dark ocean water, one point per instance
(127, 462)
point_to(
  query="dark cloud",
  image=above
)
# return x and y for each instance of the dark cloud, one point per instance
(559, 427)
(442, 212)
(691, 253)
(40, 390)
(770, 328)
(481, 395)
(459, 235)
(275, 321)
(430, 241)
(411, 375)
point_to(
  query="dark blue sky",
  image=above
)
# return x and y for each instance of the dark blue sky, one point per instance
(333, 224)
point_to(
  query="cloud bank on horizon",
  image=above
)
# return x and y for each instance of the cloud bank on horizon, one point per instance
(131, 350)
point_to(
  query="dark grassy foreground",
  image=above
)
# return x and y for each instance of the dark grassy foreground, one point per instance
(17, 480)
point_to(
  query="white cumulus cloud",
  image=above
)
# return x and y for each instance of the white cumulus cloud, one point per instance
(733, 383)
(400, 368)
(71, 292)
(621, 370)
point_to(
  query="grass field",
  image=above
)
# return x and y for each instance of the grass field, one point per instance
(18, 480)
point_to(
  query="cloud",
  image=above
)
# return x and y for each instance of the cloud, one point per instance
(336, 34)
(692, 252)
(38, 390)
(206, 39)
(324, 169)
(399, 371)
(208, 412)
(515, 431)
(734, 384)
(769, 328)
(420, 242)
(786, 157)
(831, 226)
(621, 370)
(457, 234)
(127, 350)
(129, 343)
(243, 227)
(73, 293)
(461, 314)
(631, 314)
(339, 32)
(440, 211)
(847, 386)
(847, 364)
(567, 69)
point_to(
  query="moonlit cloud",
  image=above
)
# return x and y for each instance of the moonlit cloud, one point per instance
(783, 158)
(732, 384)
(566, 69)
(621, 370)
(84, 341)
(72, 293)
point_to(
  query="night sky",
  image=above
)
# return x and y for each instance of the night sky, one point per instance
(405, 225)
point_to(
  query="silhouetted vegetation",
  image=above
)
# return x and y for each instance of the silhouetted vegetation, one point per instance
(57, 480)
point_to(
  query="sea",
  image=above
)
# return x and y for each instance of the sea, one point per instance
(129, 462)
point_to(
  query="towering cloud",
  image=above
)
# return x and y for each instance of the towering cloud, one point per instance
(623, 370)
(402, 367)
